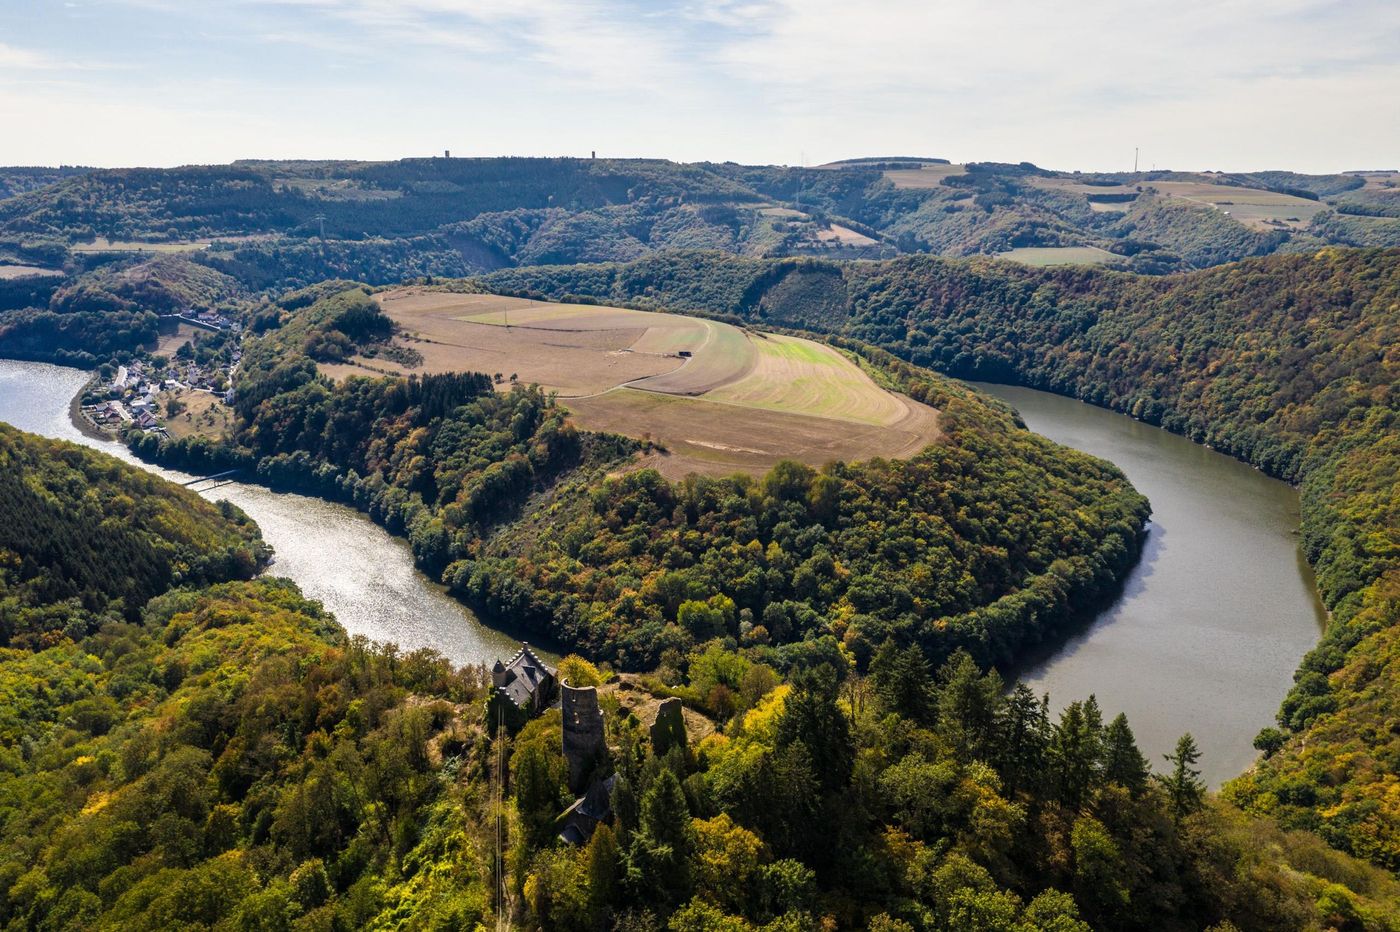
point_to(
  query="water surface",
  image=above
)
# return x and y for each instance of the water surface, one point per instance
(1212, 622)
(335, 554)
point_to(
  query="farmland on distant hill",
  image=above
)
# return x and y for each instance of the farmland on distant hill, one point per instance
(280, 225)
(736, 400)
(925, 176)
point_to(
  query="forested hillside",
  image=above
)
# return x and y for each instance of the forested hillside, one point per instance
(163, 763)
(280, 224)
(85, 540)
(1288, 362)
(205, 758)
(985, 542)
(229, 759)
(85, 249)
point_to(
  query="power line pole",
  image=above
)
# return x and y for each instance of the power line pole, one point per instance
(321, 219)
(1135, 159)
(498, 800)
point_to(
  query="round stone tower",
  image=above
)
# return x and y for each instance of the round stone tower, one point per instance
(584, 739)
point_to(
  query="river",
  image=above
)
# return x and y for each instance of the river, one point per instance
(1204, 637)
(336, 555)
(1213, 620)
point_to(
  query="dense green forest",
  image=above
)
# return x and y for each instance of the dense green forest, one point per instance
(228, 758)
(199, 758)
(830, 623)
(1287, 362)
(84, 540)
(985, 542)
(111, 310)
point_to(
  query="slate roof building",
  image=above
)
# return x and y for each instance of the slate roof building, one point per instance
(522, 688)
(590, 810)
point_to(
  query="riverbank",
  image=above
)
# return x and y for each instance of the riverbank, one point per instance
(79, 419)
(357, 570)
(1210, 625)
(1145, 653)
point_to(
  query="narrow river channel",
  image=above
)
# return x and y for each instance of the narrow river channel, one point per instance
(1211, 624)
(335, 554)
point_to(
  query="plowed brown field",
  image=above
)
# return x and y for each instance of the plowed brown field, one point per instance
(736, 401)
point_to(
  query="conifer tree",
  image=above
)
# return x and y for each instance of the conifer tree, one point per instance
(1023, 735)
(1123, 762)
(1185, 789)
(968, 706)
(1076, 750)
(903, 682)
(811, 717)
(659, 859)
(601, 858)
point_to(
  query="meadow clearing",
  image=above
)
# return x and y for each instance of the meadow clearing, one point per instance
(1125, 193)
(101, 244)
(570, 349)
(801, 377)
(10, 271)
(1254, 208)
(697, 435)
(202, 414)
(845, 236)
(174, 338)
(739, 400)
(928, 176)
(1058, 255)
(1378, 179)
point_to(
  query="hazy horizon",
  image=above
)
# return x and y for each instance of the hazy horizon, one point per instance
(1306, 85)
(646, 157)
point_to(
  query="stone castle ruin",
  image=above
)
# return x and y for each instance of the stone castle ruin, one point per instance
(585, 744)
(525, 686)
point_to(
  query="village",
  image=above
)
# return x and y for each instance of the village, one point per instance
(171, 393)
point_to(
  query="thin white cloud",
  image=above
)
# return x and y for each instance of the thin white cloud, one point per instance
(25, 59)
(596, 42)
(1037, 76)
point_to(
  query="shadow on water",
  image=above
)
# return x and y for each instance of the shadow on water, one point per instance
(1067, 638)
(1206, 630)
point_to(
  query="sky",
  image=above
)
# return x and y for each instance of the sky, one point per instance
(1228, 85)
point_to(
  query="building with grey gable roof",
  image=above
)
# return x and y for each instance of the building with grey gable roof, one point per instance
(522, 688)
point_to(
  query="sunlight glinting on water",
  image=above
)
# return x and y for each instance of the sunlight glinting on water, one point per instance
(360, 572)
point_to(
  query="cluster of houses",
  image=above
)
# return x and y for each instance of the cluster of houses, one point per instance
(134, 392)
(116, 415)
(181, 374)
(134, 401)
(207, 318)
